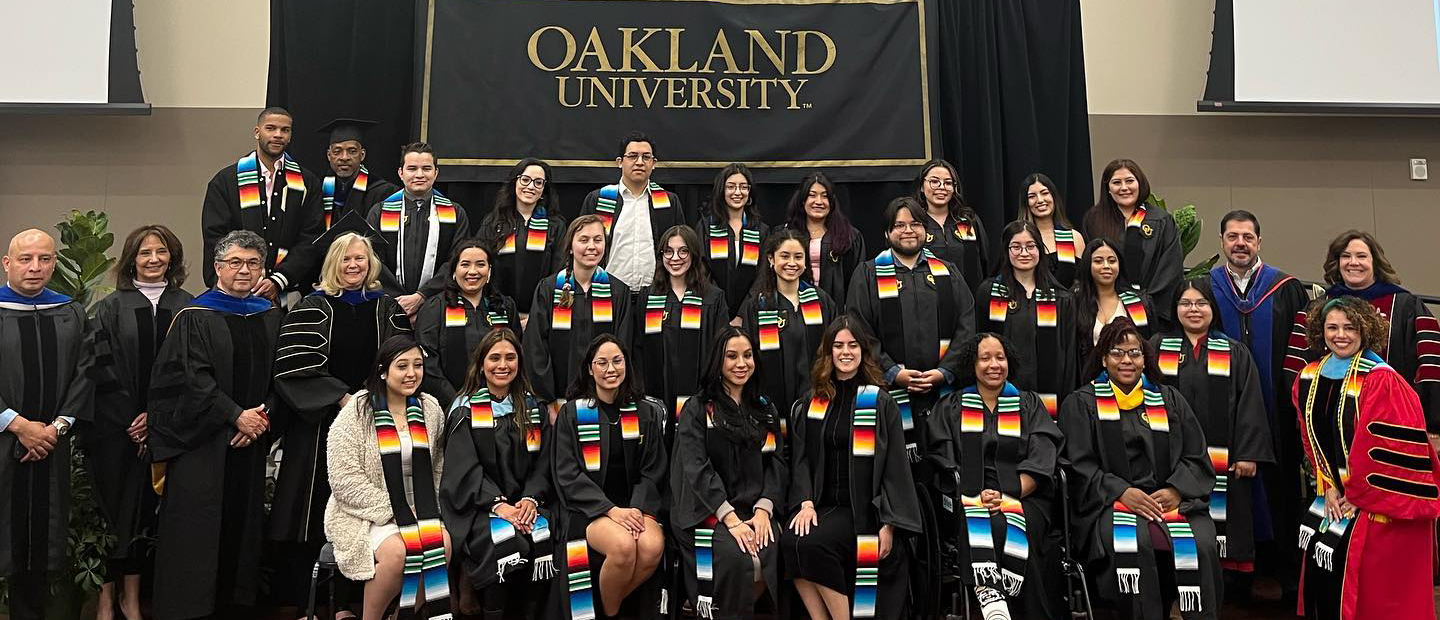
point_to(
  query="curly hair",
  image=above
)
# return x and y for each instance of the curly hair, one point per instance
(1374, 329)
(970, 352)
(1384, 271)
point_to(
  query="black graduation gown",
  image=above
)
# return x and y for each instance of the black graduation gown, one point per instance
(835, 270)
(291, 230)
(1161, 264)
(1085, 326)
(415, 230)
(671, 361)
(514, 274)
(661, 220)
(1040, 442)
(714, 471)
(213, 365)
(1047, 362)
(485, 466)
(1232, 415)
(887, 497)
(973, 257)
(580, 495)
(324, 351)
(1095, 486)
(920, 326)
(785, 373)
(448, 349)
(350, 199)
(125, 335)
(47, 376)
(728, 273)
(553, 355)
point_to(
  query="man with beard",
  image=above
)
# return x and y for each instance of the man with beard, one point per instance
(268, 193)
(209, 420)
(44, 388)
(419, 225)
(1256, 303)
(917, 304)
(350, 186)
(636, 211)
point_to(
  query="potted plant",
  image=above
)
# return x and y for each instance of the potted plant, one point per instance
(1189, 224)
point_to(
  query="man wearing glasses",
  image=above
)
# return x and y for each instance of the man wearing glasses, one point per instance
(917, 304)
(267, 192)
(350, 186)
(208, 436)
(636, 211)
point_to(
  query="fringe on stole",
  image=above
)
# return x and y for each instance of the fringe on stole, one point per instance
(1305, 533)
(513, 559)
(1190, 598)
(544, 568)
(912, 452)
(1012, 582)
(705, 607)
(986, 571)
(1324, 556)
(664, 600)
(1129, 579)
(1220, 545)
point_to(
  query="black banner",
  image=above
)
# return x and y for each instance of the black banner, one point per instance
(782, 85)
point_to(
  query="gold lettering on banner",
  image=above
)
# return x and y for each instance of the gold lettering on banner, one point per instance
(721, 80)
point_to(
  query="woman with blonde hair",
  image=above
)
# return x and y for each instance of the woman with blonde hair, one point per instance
(322, 358)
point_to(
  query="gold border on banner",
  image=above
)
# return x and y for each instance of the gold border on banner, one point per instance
(793, 163)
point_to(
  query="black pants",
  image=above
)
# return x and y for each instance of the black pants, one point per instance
(29, 594)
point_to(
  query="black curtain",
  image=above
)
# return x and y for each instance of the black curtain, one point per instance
(344, 58)
(1010, 101)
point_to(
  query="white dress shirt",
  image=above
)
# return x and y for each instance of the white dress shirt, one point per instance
(632, 248)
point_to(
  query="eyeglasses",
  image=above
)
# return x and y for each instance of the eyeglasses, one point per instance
(1119, 354)
(634, 157)
(937, 183)
(1028, 248)
(235, 264)
(526, 181)
(675, 252)
(1186, 304)
(904, 226)
(737, 187)
(602, 364)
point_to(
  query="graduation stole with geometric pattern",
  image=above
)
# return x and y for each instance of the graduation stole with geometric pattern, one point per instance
(607, 201)
(1136, 231)
(1134, 307)
(892, 325)
(1319, 535)
(770, 322)
(749, 244)
(1047, 336)
(453, 338)
(328, 199)
(589, 428)
(1006, 529)
(678, 369)
(1215, 421)
(1125, 524)
(420, 529)
(863, 435)
(503, 533)
(1065, 245)
(247, 180)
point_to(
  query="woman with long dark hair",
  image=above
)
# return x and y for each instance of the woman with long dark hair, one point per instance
(495, 490)
(785, 316)
(385, 457)
(525, 227)
(1140, 484)
(451, 324)
(571, 308)
(1102, 295)
(676, 331)
(1368, 538)
(609, 460)
(1144, 234)
(1041, 205)
(996, 445)
(953, 230)
(127, 330)
(851, 493)
(1217, 376)
(731, 233)
(727, 477)
(1025, 303)
(833, 247)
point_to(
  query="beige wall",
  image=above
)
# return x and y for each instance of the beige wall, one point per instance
(203, 67)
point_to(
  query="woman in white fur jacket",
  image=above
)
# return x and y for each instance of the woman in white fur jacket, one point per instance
(384, 461)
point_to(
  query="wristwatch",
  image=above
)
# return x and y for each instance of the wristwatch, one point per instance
(62, 426)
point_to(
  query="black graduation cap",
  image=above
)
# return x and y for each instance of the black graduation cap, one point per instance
(352, 222)
(342, 129)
